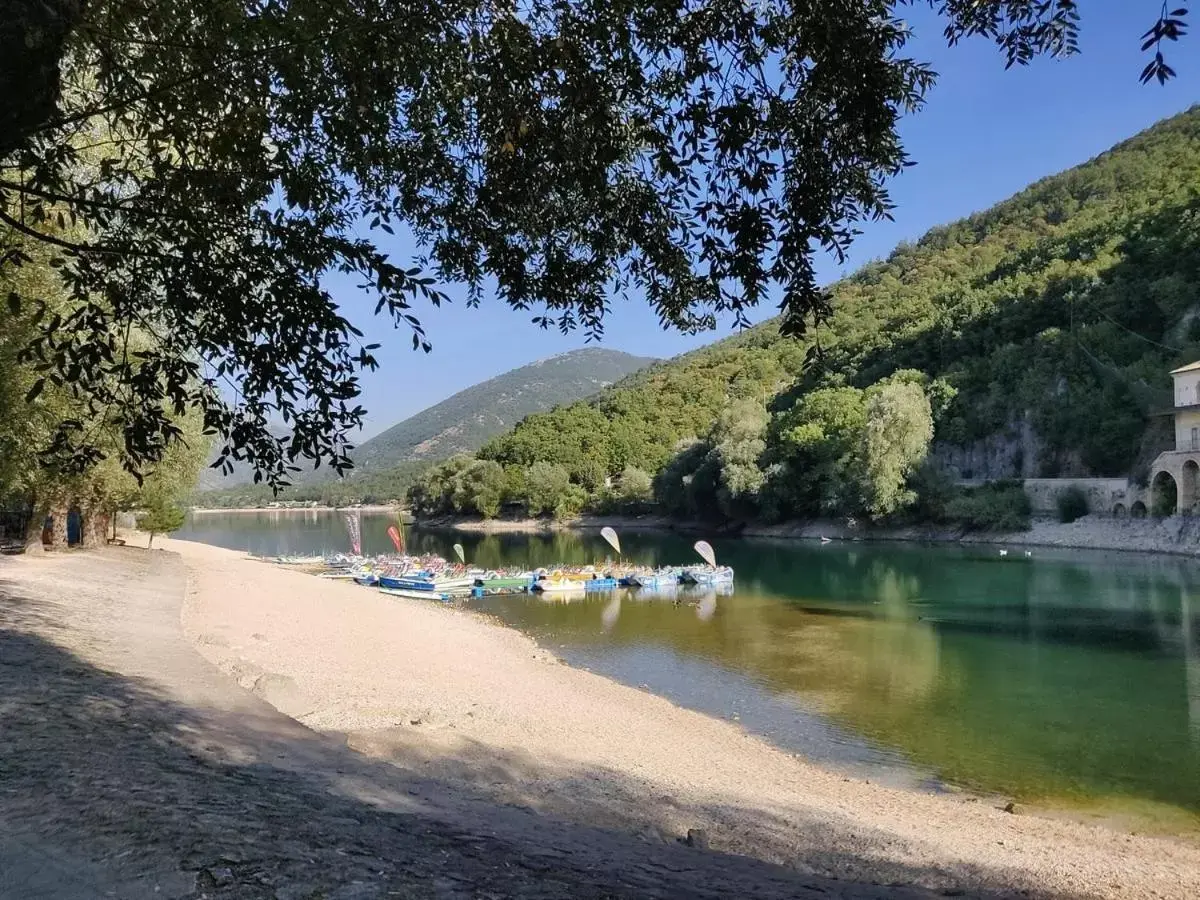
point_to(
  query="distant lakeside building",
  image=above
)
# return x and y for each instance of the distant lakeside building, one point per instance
(1173, 486)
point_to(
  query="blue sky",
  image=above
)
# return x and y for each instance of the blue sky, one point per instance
(984, 134)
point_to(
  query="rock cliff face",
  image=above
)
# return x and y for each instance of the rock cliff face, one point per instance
(1015, 452)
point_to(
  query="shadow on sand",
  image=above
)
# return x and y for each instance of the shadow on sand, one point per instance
(104, 776)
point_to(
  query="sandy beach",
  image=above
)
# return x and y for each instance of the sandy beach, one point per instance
(480, 707)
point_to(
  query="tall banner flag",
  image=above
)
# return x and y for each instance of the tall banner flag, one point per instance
(354, 529)
(397, 538)
(458, 551)
(704, 548)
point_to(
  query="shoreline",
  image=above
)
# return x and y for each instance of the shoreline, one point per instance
(1174, 536)
(366, 508)
(451, 694)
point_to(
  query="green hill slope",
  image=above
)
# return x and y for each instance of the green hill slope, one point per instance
(1041, 330)
(463, 423)
(386, 464)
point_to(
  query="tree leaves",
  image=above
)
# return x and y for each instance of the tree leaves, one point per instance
(203, 182)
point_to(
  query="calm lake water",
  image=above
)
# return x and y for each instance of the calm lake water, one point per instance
(1068, 679)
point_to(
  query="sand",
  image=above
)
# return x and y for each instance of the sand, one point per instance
(449, 694)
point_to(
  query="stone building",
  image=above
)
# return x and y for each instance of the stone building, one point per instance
(1174, 484)
(1175, 474)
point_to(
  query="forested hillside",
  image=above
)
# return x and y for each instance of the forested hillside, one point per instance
(1057, 312)
(462, 423)
(388, 463)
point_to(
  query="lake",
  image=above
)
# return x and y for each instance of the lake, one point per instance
(1066, 679)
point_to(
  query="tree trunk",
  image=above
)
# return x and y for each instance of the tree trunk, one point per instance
(150, 542)
(33, 34)
(93, 529)
(58, 536)
(33, 536)
(33, 528)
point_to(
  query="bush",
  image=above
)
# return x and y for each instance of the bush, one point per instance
(1002, 506)
(570, 502)
(1072, 504)
(934, 491)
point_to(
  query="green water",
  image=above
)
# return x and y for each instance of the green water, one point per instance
(1067, 679)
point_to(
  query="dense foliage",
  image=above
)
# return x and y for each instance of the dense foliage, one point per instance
(560, 153)
(32, 487)
(1061, 309)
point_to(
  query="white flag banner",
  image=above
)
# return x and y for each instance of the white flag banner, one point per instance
(610, 535)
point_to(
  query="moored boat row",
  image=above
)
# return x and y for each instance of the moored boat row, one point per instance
(429, 576)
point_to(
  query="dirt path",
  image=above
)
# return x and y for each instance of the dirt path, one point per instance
(131, 768)
(449, 696)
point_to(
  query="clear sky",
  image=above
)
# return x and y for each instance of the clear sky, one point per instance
(984, 134)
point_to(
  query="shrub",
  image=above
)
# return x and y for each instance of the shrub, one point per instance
(570, 502)
(934, 490)
(1072, 504)
(1002, 506)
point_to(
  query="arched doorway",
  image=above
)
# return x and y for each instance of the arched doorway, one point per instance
(74, 527)
(1118, 511)
(1189, 479)
(1138, 510)
(1164, 495)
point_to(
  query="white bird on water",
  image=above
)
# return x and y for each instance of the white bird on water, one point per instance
(1004, 553)
(1029, 553)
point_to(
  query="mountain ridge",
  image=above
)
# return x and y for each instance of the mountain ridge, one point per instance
(444, 428)
(462, 422)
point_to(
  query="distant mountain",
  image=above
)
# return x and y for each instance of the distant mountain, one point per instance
(211, 479)
(462, 423)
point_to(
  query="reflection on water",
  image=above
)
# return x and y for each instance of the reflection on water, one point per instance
(1065, 678)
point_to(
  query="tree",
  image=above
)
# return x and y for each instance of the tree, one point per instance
(546, 486)
(814, 451)
(480, 488)
(434, 492)
(162, 516)
(32, 408)
(673, 485)
(515, 486)
(566, 154)
(634, 489)
(895, 440)
(570, 502)
(738, 443)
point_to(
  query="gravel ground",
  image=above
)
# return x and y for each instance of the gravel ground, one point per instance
(496, 722)
(131, 768)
